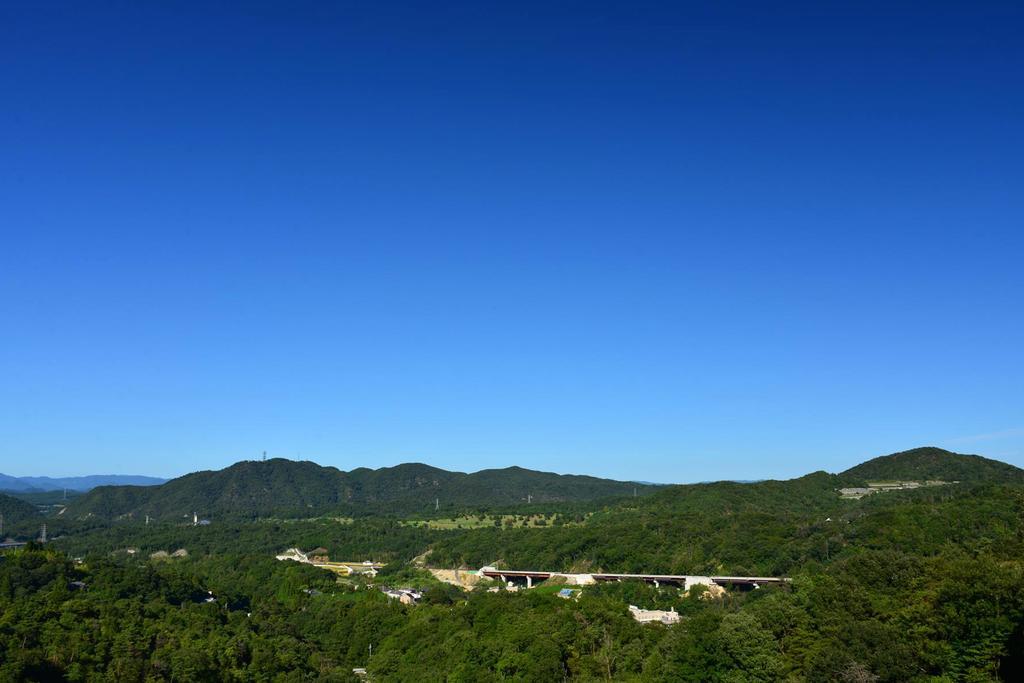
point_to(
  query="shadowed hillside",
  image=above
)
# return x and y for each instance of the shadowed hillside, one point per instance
(15, 511)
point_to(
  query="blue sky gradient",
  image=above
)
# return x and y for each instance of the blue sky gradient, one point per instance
(654, 241)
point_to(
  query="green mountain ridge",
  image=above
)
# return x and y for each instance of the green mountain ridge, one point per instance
(908, 585)
(770, 527)
(292, 489)
(286, 488)
(931, 463)
(15, 510)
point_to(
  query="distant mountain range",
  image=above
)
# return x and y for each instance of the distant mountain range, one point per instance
(285, 488)
(281, 487)
(86, 483)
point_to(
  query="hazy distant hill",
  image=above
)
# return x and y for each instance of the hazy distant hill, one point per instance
(934, 463)
(8, 483)
(86, 483)
(15, 510)
(289, 488)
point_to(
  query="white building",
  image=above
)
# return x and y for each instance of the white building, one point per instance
(647, 616)
(406, 596)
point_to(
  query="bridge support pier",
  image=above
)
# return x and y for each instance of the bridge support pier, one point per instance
(529, 582)
(656, 584)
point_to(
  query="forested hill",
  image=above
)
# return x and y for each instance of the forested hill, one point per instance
(933, 463)
(14, 510)
(768, 527)
(897, 586)
(294, 489)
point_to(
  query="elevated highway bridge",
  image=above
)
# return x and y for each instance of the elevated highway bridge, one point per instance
(684, 580)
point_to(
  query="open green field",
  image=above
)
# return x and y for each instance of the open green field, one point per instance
(484, 521)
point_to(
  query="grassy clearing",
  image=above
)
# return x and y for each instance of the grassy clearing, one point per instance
(298, 520)
(484, 521)
(552, 589)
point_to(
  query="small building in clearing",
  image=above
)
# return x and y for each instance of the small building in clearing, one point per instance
(406, 596)
(647, 616)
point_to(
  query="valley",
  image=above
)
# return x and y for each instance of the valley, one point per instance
(819, 584)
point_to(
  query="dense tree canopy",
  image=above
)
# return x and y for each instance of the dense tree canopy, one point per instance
(897, 586)
(879, 615)
(921, 464)
(15, 511)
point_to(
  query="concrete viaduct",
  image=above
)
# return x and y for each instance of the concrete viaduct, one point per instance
(684, 580)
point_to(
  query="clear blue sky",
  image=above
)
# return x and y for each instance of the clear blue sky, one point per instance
(658, 241)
